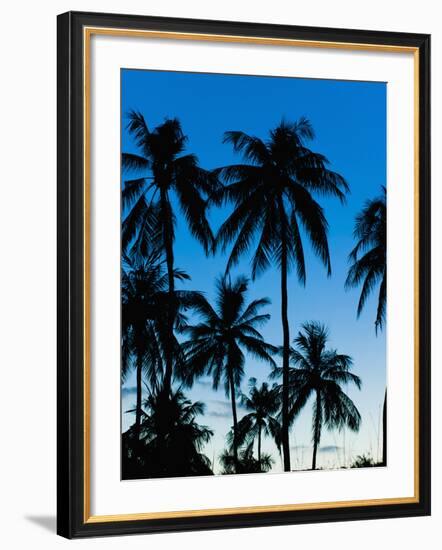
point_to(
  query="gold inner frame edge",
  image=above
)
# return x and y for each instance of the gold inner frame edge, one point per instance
(135, 33)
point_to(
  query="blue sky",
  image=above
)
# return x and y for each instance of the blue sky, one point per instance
(349, 119)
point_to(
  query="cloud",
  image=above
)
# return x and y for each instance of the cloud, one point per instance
(325, 449)
(225, 404)
(126, 391)
(329, 449)
(219, 409)
(220, 403)
(218, 414)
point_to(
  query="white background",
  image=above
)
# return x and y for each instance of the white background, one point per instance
(27, 305)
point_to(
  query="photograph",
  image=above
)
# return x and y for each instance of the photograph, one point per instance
(253, 274)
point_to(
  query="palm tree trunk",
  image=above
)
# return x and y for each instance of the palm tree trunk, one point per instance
(384, 431)
(259, 447)
(139, 398)
(285, 352)
(235, 421)
(317, 431)
(168, 246)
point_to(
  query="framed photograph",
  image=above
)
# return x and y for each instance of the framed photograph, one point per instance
(231, 352)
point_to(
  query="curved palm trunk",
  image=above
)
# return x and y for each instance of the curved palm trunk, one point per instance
(259, 447)
(235, 421)
(168, 246)
(285, 352)
(139, 397)
(384, 431)
(317, 431)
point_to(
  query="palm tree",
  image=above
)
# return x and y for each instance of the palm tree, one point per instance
(144, 331)
(246, 462)
(141, 283)
(272, 198)
(369, 268)
(368, 257)
(215, 346)
(263, 403)
(319, 372)
(171, 439)
(164, 170)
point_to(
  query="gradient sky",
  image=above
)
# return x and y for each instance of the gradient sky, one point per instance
(349, 119)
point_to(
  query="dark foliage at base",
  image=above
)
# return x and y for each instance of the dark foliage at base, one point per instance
(170, 441)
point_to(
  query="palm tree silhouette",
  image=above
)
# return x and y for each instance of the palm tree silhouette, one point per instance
(368, 258)
(272, 198)
(165, 171)
(246, 462)
(144, 298)
(319, 372)
(369, 268)
(263, 404)
(141, 282)
(215, 346)
(171, 439)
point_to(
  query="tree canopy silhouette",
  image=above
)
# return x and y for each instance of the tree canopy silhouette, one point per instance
(172, 337)
(246, 463)
(171, 439)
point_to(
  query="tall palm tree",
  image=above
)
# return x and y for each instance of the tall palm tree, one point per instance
(263, 403)
(319, 372)
(144, 331)
(164, 171)
(369, 268)
(272, 194)
(216, 345)
(171, 439)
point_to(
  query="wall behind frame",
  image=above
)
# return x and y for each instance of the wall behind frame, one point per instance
(28, 281)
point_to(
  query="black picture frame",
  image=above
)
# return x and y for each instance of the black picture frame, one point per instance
(71, 522)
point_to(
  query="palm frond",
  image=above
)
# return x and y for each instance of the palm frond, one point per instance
(382, 304)
(252, 148)
(370, 281)
(131, 192)
(133, 162)
(138, 128)
(252, 309)
(312, 217)
(194, 209)
(270, 235)
(368, 257)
